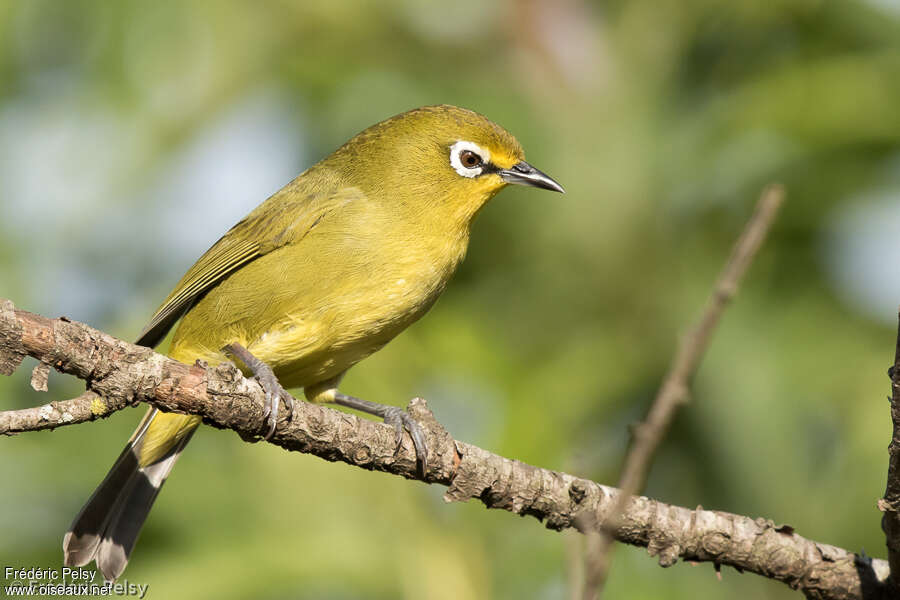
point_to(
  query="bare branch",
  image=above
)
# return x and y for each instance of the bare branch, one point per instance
(890, 504)
(673, 393)
(119, 374)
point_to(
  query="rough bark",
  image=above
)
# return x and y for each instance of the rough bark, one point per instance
(890, 504)
(119, 374)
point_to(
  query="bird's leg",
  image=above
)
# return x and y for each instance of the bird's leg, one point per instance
(269, 383)
(395, 416)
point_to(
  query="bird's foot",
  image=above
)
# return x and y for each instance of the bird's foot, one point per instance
(394, 416)
(269, 383)
(274, 392)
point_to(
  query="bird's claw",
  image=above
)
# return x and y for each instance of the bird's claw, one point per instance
(274, 393)
(394, 416)
(268, 382)
(400, 420)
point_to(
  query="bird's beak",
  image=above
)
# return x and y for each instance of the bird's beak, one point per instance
(524, 174)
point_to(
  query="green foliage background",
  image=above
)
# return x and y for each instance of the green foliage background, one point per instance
(133, 134)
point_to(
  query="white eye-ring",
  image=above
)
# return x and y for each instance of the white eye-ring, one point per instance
(468, 158)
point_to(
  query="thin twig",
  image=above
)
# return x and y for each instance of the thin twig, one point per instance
(674, 391)
(120, 374)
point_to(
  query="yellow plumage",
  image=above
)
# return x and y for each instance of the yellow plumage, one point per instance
(318, 277)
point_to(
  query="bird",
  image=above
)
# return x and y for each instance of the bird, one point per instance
(319, 276)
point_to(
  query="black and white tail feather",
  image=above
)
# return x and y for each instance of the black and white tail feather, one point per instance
(108, 525)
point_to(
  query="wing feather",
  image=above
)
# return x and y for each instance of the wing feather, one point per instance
(221, 260)
(257, 234)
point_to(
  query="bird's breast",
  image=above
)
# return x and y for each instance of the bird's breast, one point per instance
(360, 296)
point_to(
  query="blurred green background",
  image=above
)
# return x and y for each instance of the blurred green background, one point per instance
(133, 134)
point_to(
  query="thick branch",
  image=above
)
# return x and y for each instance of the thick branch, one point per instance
(123, 374)
(673, 393)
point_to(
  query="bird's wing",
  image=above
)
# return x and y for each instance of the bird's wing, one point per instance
(260, 232)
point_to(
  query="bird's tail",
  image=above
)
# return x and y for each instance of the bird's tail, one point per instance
(109, 523)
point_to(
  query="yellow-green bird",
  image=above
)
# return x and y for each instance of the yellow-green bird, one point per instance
(319, 276)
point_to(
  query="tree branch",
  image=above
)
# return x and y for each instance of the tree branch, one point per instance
(674, 391)
(119, 374)
(890, 504)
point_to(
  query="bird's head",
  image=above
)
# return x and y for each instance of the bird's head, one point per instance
(442, 159)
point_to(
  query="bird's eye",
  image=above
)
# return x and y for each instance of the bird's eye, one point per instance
(469, 159)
